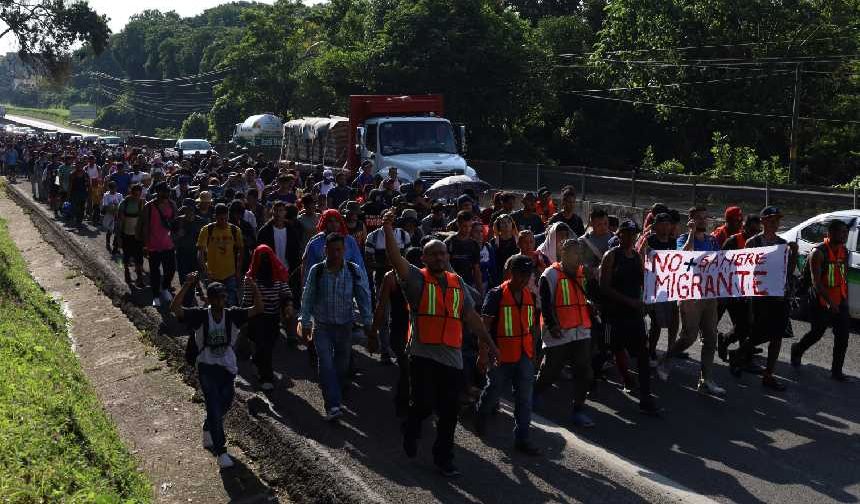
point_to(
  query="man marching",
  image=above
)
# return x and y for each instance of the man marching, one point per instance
(770, 314)
(509, 315)
(439, 308)
(828, 264)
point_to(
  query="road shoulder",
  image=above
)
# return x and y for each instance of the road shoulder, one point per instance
(150, 404)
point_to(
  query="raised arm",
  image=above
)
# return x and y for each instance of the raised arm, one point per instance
(176, 305)
(400, 264)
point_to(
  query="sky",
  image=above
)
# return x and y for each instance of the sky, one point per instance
(119, 12)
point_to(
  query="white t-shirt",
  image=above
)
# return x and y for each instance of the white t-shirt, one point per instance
(93, 172)
(250, 218)
(280, 243)
(111, 199)
(376, 240)
(221, 356)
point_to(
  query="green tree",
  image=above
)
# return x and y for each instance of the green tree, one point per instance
(196, 125)
(46, 30)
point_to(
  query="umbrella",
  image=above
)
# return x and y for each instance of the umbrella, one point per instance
(453, 186)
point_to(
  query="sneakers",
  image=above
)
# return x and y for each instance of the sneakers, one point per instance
(795, 356)
(527, 448)
(156, 302)
(207, 440)
(580, 419)
(334, 413)
(224, 461)
(769, 381)
(267, 386)
(448, 469)
(711, 388)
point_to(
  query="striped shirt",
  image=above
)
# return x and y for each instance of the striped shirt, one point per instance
(274, 297)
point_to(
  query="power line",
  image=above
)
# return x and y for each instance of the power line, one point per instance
(688, 83)
(163, 100)
(125, 102)
(719, 111)
(714, 46)
(162, 81)
(724, 63)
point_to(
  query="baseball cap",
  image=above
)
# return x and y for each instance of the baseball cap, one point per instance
(215, 289)
(628, 225)
(663, 217)
(770, 211)
(734, 212)
(409, 213)
(543, 191)
(519, 263)
(529, 196)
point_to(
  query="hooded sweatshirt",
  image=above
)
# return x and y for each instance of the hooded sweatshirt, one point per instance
(550, 245)
(315, 249)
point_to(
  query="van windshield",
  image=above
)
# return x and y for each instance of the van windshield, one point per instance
(416, 137)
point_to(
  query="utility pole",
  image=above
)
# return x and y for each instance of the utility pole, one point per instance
(795, 113)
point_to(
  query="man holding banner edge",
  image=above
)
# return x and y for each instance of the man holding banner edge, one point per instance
(697, 315)
(770, 314)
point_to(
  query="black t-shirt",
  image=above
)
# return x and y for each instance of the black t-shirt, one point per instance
(574, 223)
(530, 222)
(654, 243)
(338, 195)
(465, 254)
(504, 249)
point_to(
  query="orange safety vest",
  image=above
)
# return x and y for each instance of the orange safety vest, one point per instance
(833, 273)
(514, 325)
(571, 307)
(439, 320)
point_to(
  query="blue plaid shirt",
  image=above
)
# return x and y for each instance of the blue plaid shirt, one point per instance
(328, 297)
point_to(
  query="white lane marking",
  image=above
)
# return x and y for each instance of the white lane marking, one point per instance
(626, 468)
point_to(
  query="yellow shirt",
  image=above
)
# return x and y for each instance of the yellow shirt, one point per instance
(220, 249)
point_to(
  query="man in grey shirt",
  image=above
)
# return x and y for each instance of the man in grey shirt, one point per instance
(440, 306)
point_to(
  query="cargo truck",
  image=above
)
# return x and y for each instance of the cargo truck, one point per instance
(407, 132)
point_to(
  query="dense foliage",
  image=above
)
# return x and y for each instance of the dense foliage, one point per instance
(614, 84)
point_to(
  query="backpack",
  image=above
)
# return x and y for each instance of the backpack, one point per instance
(802, 297)
(191, 350)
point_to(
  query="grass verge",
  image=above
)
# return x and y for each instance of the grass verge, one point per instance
(57, 444)
(56, 115)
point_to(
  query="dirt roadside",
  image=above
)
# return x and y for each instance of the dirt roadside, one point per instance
(150, 404)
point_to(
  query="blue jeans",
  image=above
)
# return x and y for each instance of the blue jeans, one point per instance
(217, 385)
(333, 343)
(521, 376)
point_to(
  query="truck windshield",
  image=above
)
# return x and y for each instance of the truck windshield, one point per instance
(415, 137)
(195, 145)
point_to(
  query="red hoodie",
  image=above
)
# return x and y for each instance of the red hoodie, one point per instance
(321, 227)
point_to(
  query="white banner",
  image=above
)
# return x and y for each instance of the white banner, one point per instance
(675, 275)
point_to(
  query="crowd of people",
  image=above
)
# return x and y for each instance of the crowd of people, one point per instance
(469, 302)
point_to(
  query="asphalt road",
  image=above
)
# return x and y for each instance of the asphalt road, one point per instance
(754, 446)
